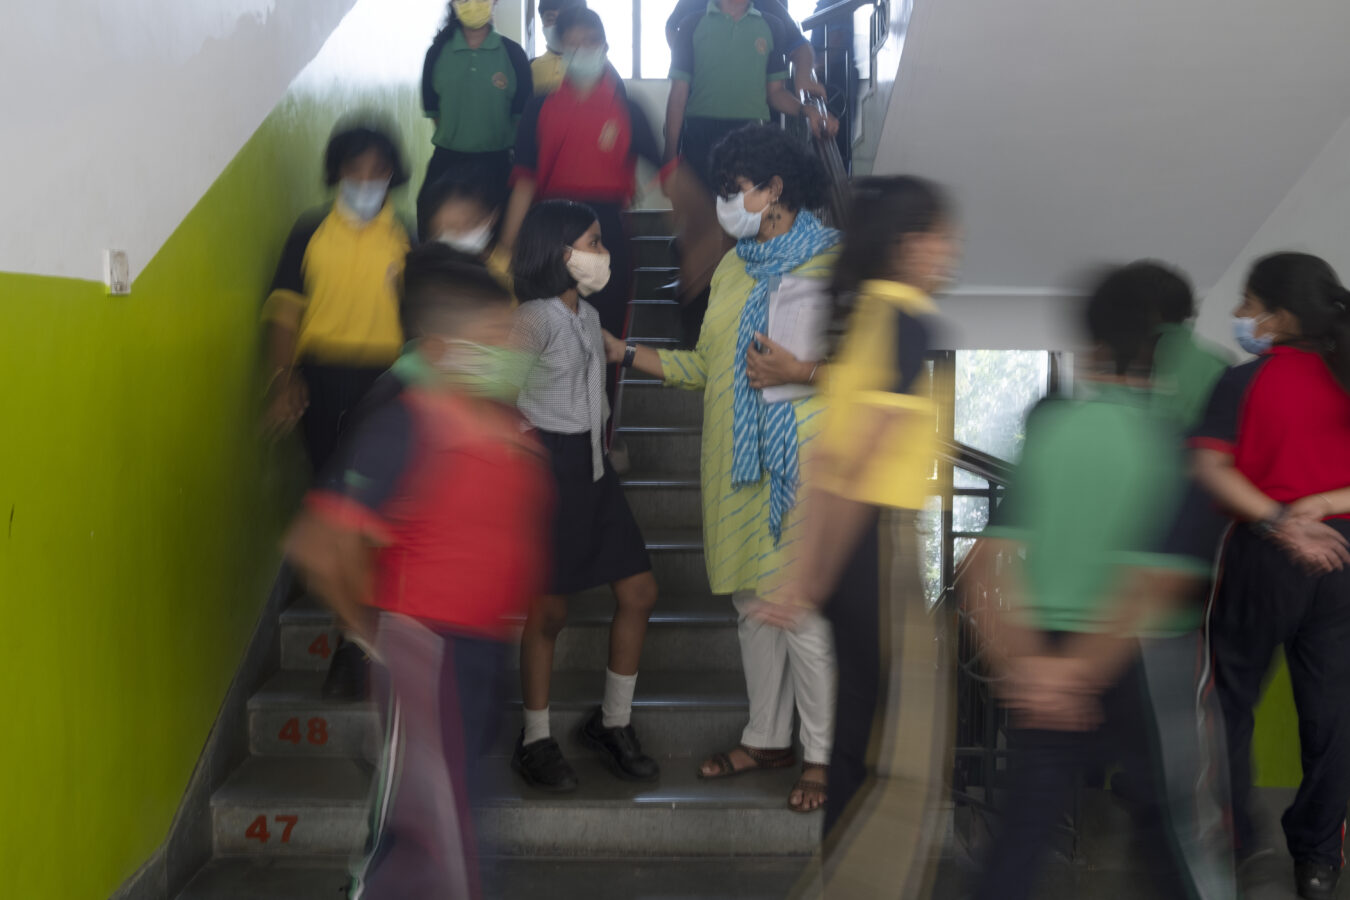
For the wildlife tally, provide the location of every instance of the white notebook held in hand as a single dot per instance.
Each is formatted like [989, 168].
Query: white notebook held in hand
[799, 312]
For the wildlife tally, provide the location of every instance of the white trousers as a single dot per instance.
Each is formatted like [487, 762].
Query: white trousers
[784, 669]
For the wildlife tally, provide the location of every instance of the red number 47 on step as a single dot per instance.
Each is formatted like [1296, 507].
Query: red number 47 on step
[257, 829]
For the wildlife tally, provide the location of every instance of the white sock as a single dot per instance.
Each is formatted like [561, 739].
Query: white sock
[536, 725]
[617, 709]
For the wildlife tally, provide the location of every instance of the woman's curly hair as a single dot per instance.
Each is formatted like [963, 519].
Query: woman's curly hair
[758, 153]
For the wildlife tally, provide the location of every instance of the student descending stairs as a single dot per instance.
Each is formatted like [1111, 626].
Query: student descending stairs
[287, 821]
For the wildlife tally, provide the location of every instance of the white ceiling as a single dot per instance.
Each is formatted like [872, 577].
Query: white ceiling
[1079, 132]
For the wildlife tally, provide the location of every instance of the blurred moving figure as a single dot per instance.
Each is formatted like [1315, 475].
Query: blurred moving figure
[548, 67]
[475, 84]
[465, 215]
[768, 183]
[426, 535]
[860, 557]
[333, 314]
[1096, 512]
[798, 50]
[728, 69]
[583, 143]
[1274, 450]
[560, 259]
[1185, 367]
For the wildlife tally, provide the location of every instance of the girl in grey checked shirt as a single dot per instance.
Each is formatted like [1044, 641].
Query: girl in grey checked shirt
[559, 259]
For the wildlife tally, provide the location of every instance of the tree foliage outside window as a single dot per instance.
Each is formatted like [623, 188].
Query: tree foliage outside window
[994, 390]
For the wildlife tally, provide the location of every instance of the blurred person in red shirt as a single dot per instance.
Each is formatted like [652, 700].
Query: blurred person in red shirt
[427, 536]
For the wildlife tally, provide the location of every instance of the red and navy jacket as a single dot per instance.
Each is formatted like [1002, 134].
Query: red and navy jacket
[456, 498]
[1285, 420]
[584, 148]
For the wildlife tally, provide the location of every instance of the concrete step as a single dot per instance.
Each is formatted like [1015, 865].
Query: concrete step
[245, 878]
[677, 559]
[659, 317]
[668, 453]
[677, 714]
[682, 815]
[682, 632]
[742, 878]
[661, 502]
[292, 807]
[301, 808]
[649, 222]
[652, 250]
[654, 281]
[649, 402]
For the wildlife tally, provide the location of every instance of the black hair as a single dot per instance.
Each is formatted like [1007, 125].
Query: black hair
[441, 286]
[1123, 322]
[354, 136]
[882, 211]
[547, 5]
[539, 264]
[579, 17]
[453, 186]
[758, 153]
[1309, 288]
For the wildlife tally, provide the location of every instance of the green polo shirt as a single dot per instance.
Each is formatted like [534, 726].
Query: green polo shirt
[729, 63]
[1185, 370]
[1098, 491]
[475, 94]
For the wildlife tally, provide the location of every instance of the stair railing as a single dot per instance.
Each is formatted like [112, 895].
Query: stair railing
[972, 596]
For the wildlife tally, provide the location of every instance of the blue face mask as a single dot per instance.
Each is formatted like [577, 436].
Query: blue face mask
[363, 199]
[1244, 331]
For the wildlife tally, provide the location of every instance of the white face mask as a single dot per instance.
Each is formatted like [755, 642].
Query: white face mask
[363, 199]
[591, 270]
[551, 38]
[470, 242]
[735, 219]
[585, 66]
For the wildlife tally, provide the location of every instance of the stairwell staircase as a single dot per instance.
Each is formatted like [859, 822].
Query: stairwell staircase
[293, 814]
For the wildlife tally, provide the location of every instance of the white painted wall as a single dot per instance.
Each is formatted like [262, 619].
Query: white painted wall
[1079, 133]
[119, 114]
[1314, 217]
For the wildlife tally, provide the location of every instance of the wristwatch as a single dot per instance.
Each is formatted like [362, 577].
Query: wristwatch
[629, 353]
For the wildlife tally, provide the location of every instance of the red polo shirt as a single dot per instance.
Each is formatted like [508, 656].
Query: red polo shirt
[1285, 419]
[584, 147]
[456, 500]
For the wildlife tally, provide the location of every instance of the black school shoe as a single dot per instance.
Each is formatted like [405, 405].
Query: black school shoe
[619, 749]
[1316, 881]
[348, 673]
[542, 765]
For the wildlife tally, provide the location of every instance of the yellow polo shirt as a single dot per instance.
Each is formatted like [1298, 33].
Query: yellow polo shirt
[882, 364]
[343, 276]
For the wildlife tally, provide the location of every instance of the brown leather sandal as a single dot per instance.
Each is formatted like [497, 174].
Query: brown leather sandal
[809, 790]
[760, 760]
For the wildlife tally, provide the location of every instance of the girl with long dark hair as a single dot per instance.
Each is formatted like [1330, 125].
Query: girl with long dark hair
[1274, 450]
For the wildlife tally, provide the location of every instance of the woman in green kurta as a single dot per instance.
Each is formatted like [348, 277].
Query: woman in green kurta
[752, 450]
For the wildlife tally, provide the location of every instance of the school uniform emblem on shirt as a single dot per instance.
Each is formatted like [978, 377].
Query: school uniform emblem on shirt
[609, 136]
[499, 81]
[762, 46]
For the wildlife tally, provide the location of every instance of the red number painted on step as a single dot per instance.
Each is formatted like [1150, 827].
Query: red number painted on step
[290, 731]
[318, 731]
[257, 830]
[290, 823]
[319, 647]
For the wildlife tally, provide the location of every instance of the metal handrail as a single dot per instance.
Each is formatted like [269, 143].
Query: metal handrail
[833, 13]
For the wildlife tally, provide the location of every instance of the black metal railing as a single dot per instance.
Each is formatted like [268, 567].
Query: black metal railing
[971, 595]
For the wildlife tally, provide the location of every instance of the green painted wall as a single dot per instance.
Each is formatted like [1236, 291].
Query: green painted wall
[140, 514]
